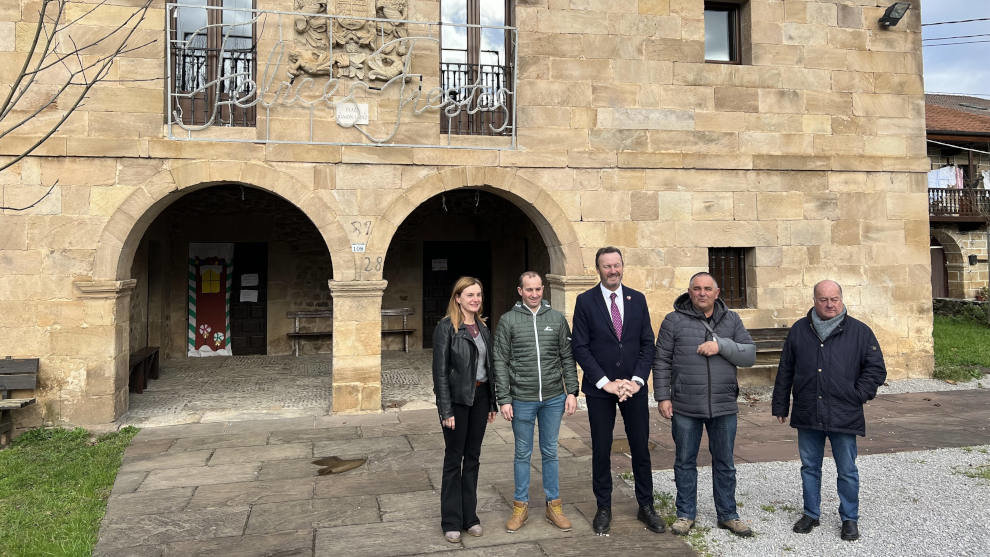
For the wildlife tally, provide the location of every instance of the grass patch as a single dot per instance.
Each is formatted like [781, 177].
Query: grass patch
[962, 348]
[697, 538]
[54, 490]
[768, 508]
[978, 472]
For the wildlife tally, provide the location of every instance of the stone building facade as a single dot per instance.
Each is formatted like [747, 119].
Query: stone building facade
[804, 160]
[959, 138]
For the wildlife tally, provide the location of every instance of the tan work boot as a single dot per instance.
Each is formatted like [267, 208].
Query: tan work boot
[682, 526]
[520, 514]
[555, 515]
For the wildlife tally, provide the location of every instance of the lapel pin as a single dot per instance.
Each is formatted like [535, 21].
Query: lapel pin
[629, 297]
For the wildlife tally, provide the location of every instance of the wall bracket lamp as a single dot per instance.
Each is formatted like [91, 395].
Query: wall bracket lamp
[893, 14]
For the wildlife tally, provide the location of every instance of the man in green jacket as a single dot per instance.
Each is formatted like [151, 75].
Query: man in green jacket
[535, 379]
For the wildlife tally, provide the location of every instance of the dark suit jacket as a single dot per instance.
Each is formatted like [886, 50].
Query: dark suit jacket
[598, 350]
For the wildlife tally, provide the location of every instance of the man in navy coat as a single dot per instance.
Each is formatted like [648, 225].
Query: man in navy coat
[612, 341]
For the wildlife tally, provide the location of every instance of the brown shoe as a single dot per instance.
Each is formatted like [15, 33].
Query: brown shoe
[555, 515]
[520, 514]
[737, 527]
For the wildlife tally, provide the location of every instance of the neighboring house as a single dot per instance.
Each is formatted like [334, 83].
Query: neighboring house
[361, 154]
[958, 130]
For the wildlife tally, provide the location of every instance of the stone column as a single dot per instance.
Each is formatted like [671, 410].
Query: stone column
[357, 345]
[102, 395]
[564, 290]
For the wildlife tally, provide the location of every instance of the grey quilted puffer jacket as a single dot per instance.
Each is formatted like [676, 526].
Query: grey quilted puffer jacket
[700, 386]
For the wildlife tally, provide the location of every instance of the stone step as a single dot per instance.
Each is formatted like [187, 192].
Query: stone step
[758, 375]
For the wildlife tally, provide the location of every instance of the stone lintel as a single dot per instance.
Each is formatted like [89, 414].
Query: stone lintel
[104, 288]
[357, 288]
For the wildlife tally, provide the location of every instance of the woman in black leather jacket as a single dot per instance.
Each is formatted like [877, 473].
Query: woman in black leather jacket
[463, 380]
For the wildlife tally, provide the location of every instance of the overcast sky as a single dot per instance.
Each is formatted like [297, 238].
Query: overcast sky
[961, 68]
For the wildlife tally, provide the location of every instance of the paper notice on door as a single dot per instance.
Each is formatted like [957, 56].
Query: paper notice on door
[250, 279]
[249, 295]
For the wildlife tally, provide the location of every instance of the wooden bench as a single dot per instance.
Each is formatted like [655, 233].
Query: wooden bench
[296, 335]
[143, 365]
[15, 374]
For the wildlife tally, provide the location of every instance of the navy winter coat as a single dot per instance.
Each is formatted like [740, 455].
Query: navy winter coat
[831, 379]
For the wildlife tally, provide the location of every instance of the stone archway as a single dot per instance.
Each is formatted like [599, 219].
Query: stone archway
[954, 262]
[538, 204]
[106, 383]
[127, 224]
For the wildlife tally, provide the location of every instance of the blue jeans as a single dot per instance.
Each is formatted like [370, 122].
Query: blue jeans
[811, 445]
[524, 417]
[687, 440]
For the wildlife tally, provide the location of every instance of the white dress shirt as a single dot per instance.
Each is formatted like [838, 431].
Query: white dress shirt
[620, 302]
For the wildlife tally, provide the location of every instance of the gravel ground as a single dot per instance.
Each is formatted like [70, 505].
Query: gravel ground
[912, 503]
[890, 388]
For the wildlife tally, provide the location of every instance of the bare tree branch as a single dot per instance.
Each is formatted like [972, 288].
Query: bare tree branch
[81, 76]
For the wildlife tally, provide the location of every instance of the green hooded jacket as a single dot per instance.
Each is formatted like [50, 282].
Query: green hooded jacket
[533, 360]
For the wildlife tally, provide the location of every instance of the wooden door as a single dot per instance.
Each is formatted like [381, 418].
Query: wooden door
[940, 276]
[248, 301]
[443, 264]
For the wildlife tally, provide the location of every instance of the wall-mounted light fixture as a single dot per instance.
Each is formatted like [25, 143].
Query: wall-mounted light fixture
[973, 259]
[893, 14]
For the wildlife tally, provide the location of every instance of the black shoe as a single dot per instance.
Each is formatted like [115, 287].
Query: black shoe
[603, 521]
[805, 524]
[650, 518]
[850, 531]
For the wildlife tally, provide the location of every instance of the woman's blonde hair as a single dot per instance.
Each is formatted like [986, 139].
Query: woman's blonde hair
[453, 309]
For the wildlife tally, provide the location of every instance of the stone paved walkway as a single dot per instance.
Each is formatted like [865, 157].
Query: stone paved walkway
[200, 390]
[249, 488]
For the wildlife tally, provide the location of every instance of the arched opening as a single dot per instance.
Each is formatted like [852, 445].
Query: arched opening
[955, 268]
[218, 272]
[479, 232]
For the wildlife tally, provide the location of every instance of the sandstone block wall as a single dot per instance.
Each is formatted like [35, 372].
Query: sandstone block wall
[812, 154]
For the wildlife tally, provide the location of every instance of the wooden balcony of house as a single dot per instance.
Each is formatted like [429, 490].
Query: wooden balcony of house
[958, 205]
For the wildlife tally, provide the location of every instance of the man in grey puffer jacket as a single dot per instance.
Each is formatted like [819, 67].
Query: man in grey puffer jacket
[699, 346]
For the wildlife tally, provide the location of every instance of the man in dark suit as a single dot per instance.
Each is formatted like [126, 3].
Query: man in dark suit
[612, 341]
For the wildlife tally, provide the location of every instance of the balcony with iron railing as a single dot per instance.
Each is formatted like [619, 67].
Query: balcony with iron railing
[323, 79]
[958, 204]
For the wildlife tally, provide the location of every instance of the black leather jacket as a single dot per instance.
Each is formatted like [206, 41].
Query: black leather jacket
[455, 364]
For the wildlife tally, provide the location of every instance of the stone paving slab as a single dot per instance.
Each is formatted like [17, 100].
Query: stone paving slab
[152, 447]
[219, 441]
[288, 469]
[252, 493]
[233, 455]
[310, 435]
[202, 475]
[181, 460]
[352, 483]
[354, 448]
[157, 501]
[536, 529]
[127, 482]
[123, 531]
[402, 537]
[282, 544]
[294, 515]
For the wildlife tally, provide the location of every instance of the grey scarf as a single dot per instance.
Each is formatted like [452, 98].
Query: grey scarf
[825, 327]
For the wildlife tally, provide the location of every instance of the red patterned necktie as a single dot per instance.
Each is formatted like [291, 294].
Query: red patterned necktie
[616, 318]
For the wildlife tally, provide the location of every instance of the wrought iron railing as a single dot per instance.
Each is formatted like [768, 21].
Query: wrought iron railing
[199, 90]
[318, 78]
[958, 202]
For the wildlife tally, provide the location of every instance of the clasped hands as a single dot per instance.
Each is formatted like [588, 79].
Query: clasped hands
[622, 388]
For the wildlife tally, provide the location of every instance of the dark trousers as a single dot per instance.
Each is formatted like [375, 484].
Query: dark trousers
[462, 450]
[636, 418]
